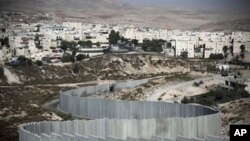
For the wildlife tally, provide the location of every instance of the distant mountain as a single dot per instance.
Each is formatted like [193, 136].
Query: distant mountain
[127, 12]
[208, 5]
[59, 5]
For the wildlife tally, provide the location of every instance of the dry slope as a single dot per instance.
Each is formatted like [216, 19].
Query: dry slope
[107, 67]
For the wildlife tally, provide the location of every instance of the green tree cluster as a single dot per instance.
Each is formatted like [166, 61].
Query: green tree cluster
[68, 58]
[184, 55]
[242, 51]
[225, 49]
[114, 37]
[216, 56]
[80, 57]
[68, 45]
[1, 72]
[153, 45]
[88, 43]
[5, 42]
[217, 96]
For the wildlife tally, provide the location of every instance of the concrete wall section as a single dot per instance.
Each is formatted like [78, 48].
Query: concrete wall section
[116, 120]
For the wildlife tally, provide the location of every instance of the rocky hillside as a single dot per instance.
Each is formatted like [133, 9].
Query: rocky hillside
[108, 67]
[116, 11]
[66, 6]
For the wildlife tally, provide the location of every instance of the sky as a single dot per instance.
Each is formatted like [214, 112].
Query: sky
[234, 5]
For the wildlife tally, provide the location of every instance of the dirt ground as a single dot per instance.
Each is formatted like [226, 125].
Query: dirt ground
[23, 104]
[191, 90]
[140, 92]
[235, 112]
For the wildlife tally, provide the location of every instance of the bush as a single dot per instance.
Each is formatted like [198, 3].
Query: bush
[196, 84]
[76, 68]
[1, 72]
[20, 62]
[153, 45]
[39, 63]
[218, 95]
[216, 56]
[185, 100]
[67, 58]
[184, 55]
[29, 62]
[80, 57]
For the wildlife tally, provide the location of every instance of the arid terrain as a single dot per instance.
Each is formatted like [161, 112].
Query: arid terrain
[22, 102]
[107, 67]
[235, 112]
[37, 85]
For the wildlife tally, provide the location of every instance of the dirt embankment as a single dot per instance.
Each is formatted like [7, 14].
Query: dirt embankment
[107, 67]
[235, 112]
[23, 104]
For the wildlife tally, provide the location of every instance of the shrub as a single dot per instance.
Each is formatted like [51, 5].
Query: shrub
[218, 95]
[1, 72]
[76, 68]
[21, 61]
[196, 84]
[80, 57]
[67, 58]
[216, 56]
[39, 63]
[185, 100]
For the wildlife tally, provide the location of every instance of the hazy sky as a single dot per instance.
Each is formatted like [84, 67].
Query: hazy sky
[241, 5]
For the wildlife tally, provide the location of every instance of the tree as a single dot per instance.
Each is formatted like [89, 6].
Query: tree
[68, 45]
[23, 61]
[39, 63]
[204, 49]
[169, 45]
[185, 100]
[225, 49]
[1, 72]
[242, 55]
[38, 28]
[80, 57]
[242, 51]
[3, 30]
[184, 55]
[64, 45]
[135, 42]
[124, 40]
[82, 43]
[68, 58]
[236, 60]
[36, 38]
[98, 44]
[242, 48]
[152, 45]
[5, 41]
[117, 36]
[114, 37]
[231, 48]
[89, 44]
[216, 56]
[76, 68]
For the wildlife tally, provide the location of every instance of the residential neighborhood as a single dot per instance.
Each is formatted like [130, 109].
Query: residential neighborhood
[43, 39]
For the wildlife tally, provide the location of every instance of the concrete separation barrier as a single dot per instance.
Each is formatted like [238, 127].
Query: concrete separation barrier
[116, 120]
